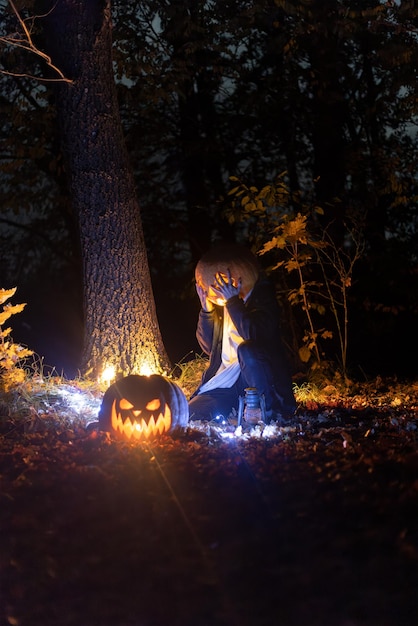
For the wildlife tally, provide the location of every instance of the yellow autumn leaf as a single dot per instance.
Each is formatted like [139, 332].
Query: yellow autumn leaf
[265, 191]
[292, 265]
[304, 354]
[296, 228]
[5, 294]
[10, 309]
[275, 242]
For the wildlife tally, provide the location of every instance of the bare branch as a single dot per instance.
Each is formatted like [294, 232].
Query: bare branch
[40, 78]
[27, 44]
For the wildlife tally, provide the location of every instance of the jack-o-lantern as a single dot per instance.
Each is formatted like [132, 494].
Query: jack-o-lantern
[143, 407]
[228, 259]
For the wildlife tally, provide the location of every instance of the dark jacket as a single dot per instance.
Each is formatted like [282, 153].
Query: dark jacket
[257, 319]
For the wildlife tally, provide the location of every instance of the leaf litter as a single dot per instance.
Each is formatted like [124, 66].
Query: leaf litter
[307, 523]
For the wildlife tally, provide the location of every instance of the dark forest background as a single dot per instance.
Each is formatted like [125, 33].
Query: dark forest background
[315, 98]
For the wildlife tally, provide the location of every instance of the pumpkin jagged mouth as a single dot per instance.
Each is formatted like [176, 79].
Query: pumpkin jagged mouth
[136, 427]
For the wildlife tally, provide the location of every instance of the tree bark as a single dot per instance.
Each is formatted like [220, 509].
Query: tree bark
[121, 325]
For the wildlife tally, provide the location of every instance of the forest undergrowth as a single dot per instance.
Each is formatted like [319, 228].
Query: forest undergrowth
[234, 527]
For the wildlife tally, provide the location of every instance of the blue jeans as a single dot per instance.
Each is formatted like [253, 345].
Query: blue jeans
[257, 370]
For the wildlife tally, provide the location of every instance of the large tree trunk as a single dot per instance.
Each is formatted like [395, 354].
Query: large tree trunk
[121, 326]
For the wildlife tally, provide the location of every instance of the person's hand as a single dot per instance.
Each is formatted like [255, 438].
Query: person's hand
[206, 304]
[224, 287]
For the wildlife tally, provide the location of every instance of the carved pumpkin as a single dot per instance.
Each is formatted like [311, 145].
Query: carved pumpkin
[143, 407]
[223, 258]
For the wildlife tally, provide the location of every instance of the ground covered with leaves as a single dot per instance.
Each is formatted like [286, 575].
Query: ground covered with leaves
[314, 523]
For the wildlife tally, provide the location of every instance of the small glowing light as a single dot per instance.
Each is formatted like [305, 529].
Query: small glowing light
[220, 419]
[146, 370]
[80, 403]
[107, 375]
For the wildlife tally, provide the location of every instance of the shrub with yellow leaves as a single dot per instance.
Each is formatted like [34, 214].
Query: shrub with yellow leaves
[320, 268]
[10, 353]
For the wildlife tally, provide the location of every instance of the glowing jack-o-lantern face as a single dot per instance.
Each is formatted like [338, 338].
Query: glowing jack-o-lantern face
[143, 407]
[140, 422]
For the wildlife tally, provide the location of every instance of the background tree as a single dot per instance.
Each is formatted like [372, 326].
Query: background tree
[121, 326]
[369, 123]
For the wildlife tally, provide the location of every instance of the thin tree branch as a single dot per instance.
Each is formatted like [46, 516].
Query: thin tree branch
[27, 44]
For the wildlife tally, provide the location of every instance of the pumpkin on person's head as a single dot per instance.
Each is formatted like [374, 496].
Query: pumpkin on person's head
[143, 407]
[223, 258]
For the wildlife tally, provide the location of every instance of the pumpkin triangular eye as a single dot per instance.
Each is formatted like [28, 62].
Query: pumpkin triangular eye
[153, 405]
[125, 405]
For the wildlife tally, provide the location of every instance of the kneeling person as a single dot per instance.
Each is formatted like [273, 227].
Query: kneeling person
[239, 329]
